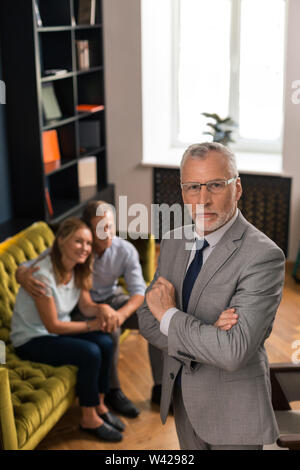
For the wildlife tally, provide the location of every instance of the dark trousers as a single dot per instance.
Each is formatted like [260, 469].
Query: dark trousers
[116, 301]
[155, 355]
[91, 352]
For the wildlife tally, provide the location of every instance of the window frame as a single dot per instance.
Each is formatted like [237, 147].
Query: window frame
[241, 144]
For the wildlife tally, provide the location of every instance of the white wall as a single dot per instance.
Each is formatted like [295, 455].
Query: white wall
[122, 33]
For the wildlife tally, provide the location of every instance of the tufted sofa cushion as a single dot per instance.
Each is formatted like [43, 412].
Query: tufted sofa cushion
[36, 390]
[27, 245]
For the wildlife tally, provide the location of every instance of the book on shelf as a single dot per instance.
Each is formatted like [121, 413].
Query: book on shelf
[38, 18]
[51, 151]
[87, 172]
[55, 72]
[48, 202]
[87, 12]
[51, 106]
[51, 166]
[89, 108]
[89, 135]
[83, 54]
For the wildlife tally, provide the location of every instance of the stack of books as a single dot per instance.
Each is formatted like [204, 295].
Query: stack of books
[87, 178]
[83, 54]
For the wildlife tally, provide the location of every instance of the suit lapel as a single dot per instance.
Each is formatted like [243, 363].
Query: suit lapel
[224, 249]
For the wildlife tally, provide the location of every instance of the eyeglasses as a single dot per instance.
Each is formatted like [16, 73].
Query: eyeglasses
[214, 187]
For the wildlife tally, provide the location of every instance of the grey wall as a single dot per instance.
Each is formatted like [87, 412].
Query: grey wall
[123, 84]
[5, 199]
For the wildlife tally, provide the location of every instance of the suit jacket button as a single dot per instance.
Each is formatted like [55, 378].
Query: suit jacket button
[172, 375]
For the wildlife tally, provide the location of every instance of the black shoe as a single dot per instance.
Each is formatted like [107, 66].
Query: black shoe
[105, 433]
[113, 421]
[117, 401]
[156, 394]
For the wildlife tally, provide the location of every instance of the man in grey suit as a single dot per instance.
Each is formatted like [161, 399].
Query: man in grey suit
[218, 378]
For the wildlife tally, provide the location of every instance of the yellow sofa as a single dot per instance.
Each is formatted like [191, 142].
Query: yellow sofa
[34, 396]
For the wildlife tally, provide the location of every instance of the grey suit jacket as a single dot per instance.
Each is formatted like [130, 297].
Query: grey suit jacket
[225, 378]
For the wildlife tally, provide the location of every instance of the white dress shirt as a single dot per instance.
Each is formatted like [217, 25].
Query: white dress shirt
[212, 238]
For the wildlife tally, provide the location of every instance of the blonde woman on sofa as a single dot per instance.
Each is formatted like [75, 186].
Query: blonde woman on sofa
[42, 330]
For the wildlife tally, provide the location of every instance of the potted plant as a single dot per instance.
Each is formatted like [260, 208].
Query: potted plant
[221, 129]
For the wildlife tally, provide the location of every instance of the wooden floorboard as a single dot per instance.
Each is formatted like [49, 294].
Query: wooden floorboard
[146, 432]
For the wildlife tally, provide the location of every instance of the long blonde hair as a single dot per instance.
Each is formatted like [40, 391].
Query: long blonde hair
[82, 271]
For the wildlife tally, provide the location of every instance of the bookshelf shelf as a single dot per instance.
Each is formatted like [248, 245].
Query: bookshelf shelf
[62, 167]
[106, 194]
[87, 26]
[92, 152]
[50, 78]
[59, 123]
[90, 70]
[89, 114]
[49, 104]
[54, 29]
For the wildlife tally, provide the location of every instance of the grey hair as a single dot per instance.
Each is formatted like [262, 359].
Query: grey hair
[201, 150]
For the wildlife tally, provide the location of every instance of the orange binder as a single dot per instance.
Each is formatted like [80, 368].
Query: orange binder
[48, 202]
[51, 150]
[92, 108]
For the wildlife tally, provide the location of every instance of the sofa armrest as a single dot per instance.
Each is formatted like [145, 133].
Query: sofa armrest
[8, 433]
[290, 441]
[285, 380]
[284, 367]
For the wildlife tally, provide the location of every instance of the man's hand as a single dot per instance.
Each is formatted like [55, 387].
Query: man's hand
[131, 306]
[33, 286]
[161, 297]
[227, 319]
[109, 317]
[121, 317]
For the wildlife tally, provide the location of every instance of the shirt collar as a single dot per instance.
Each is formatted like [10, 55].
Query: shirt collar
[214, 237]
[106, 251]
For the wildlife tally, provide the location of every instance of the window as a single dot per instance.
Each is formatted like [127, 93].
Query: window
[230, 61]
[214, 56]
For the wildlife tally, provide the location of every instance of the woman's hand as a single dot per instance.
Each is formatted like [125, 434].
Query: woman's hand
[227, 319]
[96, 324]
[109, 317]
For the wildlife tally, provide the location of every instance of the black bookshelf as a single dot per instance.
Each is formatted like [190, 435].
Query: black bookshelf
[28, 49]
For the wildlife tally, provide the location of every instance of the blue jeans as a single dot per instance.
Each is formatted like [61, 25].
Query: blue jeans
[91, 352]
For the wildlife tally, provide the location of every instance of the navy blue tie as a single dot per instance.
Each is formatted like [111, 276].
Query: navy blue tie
[192, 273]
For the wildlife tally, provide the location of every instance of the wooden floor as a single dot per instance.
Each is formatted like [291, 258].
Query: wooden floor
[146, 432]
